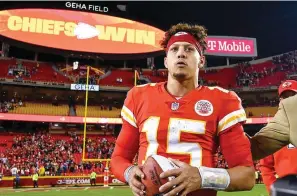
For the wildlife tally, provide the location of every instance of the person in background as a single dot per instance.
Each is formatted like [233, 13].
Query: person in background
[35, 179]
[14, 170]
[93, 178]
[41, 170]
[17, 180]
[281, 130]
[284, 161]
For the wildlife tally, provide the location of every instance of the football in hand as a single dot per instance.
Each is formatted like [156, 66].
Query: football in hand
[152, 168]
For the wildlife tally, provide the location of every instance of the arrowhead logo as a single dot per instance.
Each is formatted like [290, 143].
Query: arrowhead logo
[85, 31]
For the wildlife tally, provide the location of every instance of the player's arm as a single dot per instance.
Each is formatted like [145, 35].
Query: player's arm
[125, 150]
[127, 143]
[235, 148]
[268, 171]
[274, 136]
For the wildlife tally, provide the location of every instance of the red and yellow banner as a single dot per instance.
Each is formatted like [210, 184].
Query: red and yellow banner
[59, 181]
[79, 31]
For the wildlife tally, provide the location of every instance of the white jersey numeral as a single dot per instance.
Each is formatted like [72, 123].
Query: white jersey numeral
[174, 145]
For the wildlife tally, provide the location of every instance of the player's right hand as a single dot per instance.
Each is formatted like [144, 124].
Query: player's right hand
[135, 177]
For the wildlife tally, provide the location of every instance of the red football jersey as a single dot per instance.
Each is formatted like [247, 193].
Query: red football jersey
[281, 163]
[187, 129]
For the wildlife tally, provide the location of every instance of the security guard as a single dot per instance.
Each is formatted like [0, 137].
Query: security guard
[93, 178]
[35, 179]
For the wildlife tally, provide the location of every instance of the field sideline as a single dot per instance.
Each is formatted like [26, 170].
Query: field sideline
[259, 190]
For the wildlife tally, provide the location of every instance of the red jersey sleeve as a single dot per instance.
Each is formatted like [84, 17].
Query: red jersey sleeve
[235, 147]
[231, 111]
[128, 111]
[127, 143]
[268, 171]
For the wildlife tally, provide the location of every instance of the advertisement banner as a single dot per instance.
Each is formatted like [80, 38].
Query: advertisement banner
[58, 119]
[83, 87]
[79, 31]
[264, 120]
[59, 181]
[80, 120]
[231, 46]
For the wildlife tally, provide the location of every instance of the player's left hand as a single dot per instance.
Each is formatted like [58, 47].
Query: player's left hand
[187, 179]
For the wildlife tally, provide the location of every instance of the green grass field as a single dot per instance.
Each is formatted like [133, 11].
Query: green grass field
[259, 190]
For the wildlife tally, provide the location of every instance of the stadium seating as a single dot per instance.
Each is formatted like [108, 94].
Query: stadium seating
[270, 80]
[57, 147]
[95, 111]
[127, 77]
[226, 77]
[5, 65]
[42, 109]
[261, 111]
[160, 78]
[46, 73]
[273, 80]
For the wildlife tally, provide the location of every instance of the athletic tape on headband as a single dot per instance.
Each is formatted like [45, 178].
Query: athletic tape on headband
[184, 37]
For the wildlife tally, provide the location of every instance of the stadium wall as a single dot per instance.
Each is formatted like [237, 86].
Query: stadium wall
[51, 181]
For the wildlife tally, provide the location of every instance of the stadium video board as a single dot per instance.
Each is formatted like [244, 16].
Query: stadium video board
[79, 31]
[103, 34]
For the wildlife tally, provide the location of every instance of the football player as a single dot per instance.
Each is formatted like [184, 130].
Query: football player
[186, 122]
[284, 161]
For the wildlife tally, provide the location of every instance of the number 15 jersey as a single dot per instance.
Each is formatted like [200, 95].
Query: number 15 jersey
[187, 129]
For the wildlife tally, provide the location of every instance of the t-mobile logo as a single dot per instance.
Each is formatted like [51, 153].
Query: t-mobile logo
[211, 45]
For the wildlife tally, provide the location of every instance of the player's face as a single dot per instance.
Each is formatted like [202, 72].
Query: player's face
[183, 61]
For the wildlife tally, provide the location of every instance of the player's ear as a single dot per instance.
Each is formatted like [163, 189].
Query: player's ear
[202, 61]
[165, 62]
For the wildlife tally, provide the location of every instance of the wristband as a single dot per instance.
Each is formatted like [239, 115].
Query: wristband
[127, 173]
[214, 178]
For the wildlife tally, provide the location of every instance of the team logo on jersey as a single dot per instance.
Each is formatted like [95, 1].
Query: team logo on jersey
[174, 106]
[203, 108]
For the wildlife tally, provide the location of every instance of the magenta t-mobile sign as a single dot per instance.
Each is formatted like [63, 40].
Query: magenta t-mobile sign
[231, 46]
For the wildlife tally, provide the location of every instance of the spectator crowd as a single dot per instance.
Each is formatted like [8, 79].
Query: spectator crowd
[51, 155]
